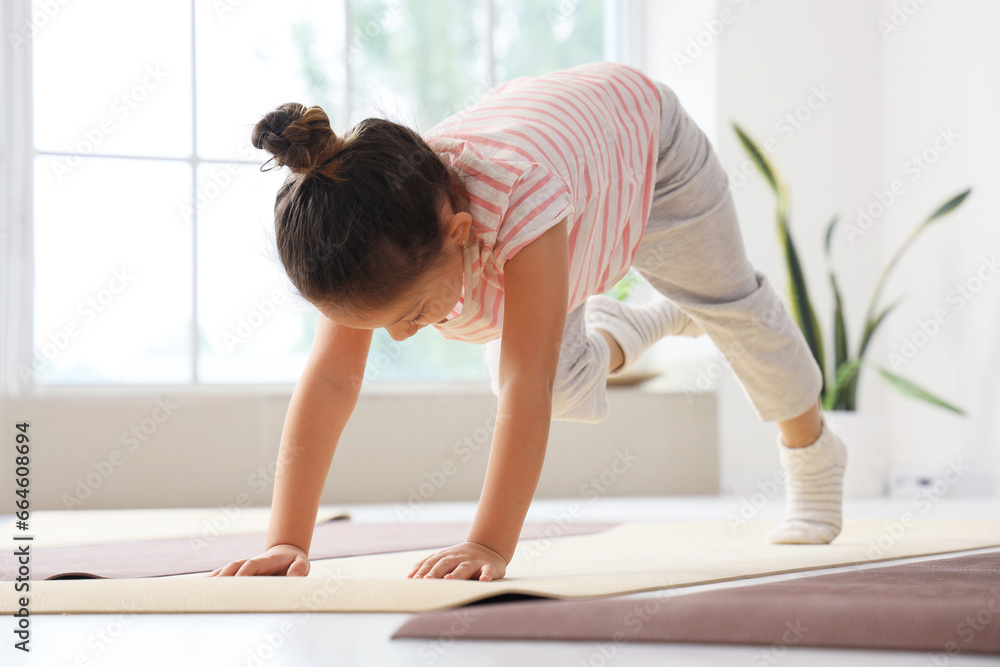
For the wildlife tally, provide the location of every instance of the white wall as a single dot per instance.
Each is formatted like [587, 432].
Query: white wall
[888, 95]
[941, 69]
[217, 447]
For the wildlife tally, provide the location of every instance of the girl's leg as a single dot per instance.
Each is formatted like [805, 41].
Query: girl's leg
[692, 252]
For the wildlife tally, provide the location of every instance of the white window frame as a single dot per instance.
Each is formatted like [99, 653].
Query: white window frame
[17, 187]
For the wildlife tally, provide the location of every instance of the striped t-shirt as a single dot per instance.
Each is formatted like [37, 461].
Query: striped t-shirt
[580, 144]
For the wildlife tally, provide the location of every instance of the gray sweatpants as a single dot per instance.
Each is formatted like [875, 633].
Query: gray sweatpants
[692, 252]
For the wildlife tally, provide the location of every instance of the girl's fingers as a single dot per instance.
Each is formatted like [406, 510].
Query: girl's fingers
[489, 573]
[416, 568]
[465, 570]
[443, 567]
[232, 568]
[249, 568]
[299, 568]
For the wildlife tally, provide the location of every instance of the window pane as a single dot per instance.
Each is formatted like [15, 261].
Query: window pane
[253, 326]
[416, 62]
[114, 77]
[253, 57]
[425, 356]
[539, 36]
[112, 272]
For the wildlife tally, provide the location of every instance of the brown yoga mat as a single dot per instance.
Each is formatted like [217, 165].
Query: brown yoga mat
[332, 539]
[943, 606]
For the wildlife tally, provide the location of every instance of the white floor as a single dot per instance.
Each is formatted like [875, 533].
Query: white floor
[280, 640]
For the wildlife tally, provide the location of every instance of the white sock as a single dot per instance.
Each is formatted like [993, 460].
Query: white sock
[635, 328]
[813, 491]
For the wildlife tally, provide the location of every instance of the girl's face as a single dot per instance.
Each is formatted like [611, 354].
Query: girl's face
[434, 296]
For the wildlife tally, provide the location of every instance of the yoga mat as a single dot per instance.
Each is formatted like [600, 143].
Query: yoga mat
[333, 539]
[943, 606]
[632, 557]
[66, 527]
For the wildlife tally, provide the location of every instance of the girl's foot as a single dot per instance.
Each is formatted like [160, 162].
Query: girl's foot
[813, 491]
[636, 328]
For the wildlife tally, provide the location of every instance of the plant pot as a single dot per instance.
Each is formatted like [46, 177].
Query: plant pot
[866, 435]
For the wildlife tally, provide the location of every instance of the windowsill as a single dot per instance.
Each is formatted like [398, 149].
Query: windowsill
[655, 385]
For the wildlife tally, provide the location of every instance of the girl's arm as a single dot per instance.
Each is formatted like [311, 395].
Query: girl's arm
[536, 292]
[321, 404]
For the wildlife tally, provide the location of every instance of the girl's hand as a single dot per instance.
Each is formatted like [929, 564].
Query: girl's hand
[281, 559]
[467, 560]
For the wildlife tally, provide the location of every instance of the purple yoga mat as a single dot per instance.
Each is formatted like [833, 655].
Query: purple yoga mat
[945, 606]
[331, 539]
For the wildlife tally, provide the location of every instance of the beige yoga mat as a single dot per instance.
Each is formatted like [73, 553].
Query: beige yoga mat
[52, 528]
[632, 557]
[173, 556]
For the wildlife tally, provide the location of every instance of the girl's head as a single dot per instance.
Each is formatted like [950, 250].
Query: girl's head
[368, 224]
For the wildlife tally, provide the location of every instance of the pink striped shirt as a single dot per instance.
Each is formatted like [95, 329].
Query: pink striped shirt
[580, 144]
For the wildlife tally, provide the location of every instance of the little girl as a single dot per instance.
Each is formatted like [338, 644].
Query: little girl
[503, 225]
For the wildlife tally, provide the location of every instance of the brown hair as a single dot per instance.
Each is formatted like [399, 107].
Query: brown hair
[357, 219]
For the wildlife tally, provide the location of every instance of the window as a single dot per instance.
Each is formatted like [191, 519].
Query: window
[151, 224]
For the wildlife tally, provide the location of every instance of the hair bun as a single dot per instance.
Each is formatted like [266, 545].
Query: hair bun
[300, 138]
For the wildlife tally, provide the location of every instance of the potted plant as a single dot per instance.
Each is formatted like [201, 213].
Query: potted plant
[840, 388]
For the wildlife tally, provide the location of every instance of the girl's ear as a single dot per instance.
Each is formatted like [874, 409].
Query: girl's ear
[457, 227]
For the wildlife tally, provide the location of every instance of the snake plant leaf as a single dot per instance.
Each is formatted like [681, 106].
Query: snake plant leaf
[873, 324]
[906, 387]
[803, 311]
[846, 374]
[870, 327]
[942, 210]
[948, 206]
[840, 343]
[828, 237]
[805, 316]
[840, 351]
[759, 159]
